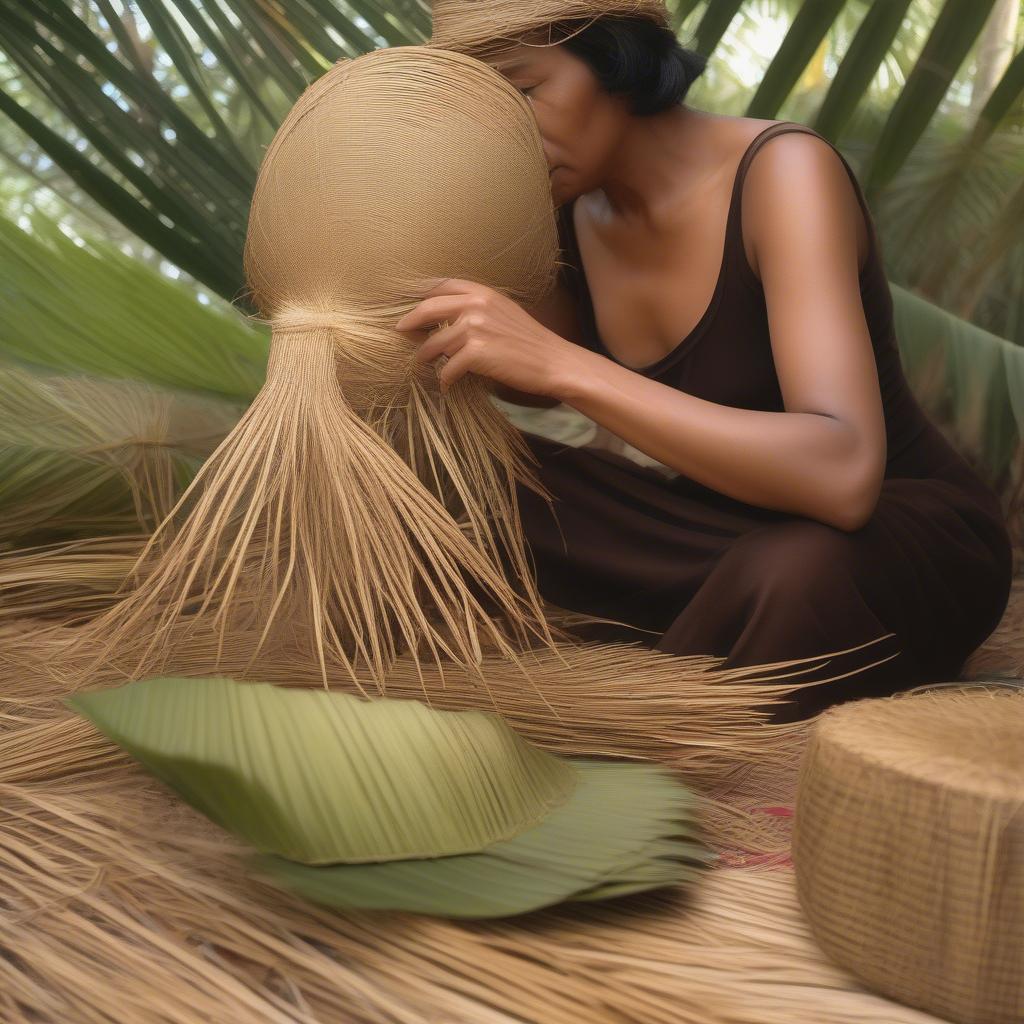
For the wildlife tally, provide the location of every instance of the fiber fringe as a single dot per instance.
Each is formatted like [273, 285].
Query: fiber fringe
[614, 700]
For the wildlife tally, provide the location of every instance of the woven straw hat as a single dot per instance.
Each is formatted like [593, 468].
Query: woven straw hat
[473, 26]
[909, 847]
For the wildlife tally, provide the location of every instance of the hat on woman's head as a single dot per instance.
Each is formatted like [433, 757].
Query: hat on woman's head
[471, 26]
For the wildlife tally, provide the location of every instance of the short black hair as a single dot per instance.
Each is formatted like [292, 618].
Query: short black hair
[634, 57]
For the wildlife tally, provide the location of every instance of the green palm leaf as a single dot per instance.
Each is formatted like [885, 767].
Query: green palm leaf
[713, 24]
[969, 381]
[623, 831]
[179, 173]
[859, 65]
[809, 28]
[129, 120]
[114, 316]
[390, 804]
[957, 27]
[1006, 93]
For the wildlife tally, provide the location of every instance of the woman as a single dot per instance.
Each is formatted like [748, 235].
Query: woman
[725, 311]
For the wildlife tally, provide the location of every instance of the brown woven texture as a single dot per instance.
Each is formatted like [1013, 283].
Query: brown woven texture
[909, 847]
[478, 26]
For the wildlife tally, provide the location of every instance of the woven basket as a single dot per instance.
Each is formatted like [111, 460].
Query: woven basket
[908, 846]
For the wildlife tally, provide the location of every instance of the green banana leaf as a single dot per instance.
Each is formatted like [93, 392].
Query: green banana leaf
[970, 382]
[391, 804]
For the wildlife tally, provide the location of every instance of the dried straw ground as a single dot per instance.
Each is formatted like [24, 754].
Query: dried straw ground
[120, 904]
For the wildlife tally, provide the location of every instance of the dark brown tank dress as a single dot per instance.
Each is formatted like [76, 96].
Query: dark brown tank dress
[707, 574]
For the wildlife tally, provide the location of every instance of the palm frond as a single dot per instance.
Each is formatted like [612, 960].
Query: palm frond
[958, 26]
[115, 317]
[859, 65]
[971, 384]
[810, 26]
[713, 24]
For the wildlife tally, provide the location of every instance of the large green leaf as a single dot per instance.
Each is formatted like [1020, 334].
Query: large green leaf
[628, 827]
[325, 777]
[390, 804]
[114, 316]
[969, 381]
[113, 392]
[1002, 234]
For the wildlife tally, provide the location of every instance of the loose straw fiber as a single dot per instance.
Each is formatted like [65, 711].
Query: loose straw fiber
[909, 847]
[119, 903]
[479, 26]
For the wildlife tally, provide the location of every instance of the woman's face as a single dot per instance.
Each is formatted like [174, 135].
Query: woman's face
[580, 124]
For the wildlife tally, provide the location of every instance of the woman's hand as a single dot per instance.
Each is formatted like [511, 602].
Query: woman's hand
[492, 335]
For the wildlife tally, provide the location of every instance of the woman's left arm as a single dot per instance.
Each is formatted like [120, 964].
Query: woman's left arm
[824, 456]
